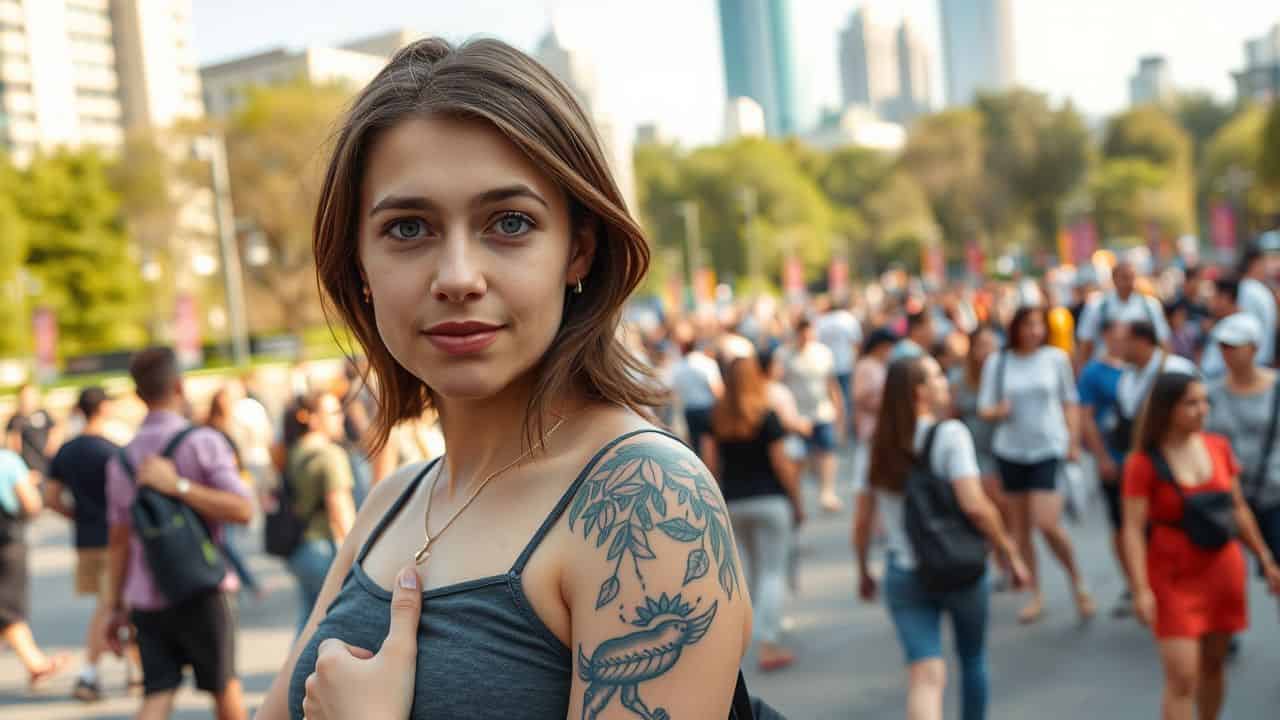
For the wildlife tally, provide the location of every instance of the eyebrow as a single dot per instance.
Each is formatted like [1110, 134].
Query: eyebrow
[506, 192]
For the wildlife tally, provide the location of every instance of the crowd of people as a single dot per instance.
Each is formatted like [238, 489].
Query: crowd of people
[1027, 397]
[306, 451]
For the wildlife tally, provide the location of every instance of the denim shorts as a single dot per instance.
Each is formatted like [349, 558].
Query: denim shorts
[917, 615]
[823, 438]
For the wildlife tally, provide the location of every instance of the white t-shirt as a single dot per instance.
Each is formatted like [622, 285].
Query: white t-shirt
[1257, 300]
[1138, 308]
[692, 381]
[1038, 386]
[1136, 383]
[953, 458]
[840, 331]
[808, 375]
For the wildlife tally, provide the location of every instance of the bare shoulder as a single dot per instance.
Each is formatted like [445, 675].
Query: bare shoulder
[380, 499]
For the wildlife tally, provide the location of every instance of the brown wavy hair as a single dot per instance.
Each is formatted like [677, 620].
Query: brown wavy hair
[893, 444]
[491, 81]
[738, 414]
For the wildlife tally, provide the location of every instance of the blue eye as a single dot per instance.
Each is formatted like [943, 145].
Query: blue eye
[408, 229]
[513, 225]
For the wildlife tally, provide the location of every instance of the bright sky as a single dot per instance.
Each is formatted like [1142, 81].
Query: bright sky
[659, 60]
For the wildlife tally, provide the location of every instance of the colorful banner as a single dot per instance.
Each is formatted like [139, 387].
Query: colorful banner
[44, 326]
[186, 330]
[933, 263]
[974, 259]
[1084, 240]
[1222, 224]
[704, 286]
[1064, 247]
[793, 276]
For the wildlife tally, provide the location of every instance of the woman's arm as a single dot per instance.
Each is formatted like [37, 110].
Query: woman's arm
[979, 508]
[786, 471]
[1072, 411]
[864, 522]
[1135, 550]
[665, 584]
[708, 453]
[1252, 537]
[275, 706]
[28, 495]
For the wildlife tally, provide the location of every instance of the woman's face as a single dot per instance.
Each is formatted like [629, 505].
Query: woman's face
[1239, 359]
[467, 250]
[1032, 333]
[935, 390]
[1190, 412]
[328, 418]
[983, 345]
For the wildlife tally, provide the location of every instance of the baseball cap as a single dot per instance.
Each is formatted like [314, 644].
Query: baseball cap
[1238, 329]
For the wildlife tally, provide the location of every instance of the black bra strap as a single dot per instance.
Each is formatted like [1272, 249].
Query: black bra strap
[569, 494]
[394, 510]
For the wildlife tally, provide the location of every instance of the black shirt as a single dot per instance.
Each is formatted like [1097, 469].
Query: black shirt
[745, 468]
[81, 466]
[34, 430]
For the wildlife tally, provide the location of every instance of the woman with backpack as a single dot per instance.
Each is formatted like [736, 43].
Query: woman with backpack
[761, 486]
[1183, 510]
[1029, 392]
[320, 483]
[913, 444]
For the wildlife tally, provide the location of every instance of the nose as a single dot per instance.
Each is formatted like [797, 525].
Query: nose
[458, 277]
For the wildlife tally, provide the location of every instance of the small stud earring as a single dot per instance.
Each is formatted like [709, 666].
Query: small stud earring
[578, 290]
[368, 296]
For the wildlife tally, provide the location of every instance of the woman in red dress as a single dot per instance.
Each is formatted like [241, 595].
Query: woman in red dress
[1188, 571]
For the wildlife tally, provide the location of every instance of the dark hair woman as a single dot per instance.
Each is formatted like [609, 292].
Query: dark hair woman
[916, 399]
[470, 234]
[1189, 589]
[1029, 392]
[761, 488]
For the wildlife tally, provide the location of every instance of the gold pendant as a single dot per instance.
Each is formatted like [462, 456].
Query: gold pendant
[422, 555]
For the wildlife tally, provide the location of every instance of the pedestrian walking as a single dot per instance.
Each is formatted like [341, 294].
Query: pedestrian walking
[1223, 304]
[19, 502]
[470, 234]
[696, 382]
[840, 331]
[966, 386]
[78, 472]
[32, 432]
[1029, 391]
[200, 473]
[1123, 303]
[915, 443]
[869, 377]
[810, 373]
[221, 417]
[319, 475]
[1183, 513]
[1145, 360]
[761, 489]
[1257, 299]
[920, 335]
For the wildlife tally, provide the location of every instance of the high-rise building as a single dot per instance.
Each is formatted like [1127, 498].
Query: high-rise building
[977, 44]
[914, 76]
[79, 73]
[743, 117]
[1152, 83]
[352, 64]
[868, 62]
[574, 69]
[759, 60]
[1259, 80]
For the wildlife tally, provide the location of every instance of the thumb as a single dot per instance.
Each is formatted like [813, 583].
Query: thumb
[406, 611]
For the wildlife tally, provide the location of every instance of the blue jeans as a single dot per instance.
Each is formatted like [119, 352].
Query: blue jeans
[309, 564]
[917, 616]
[232, 535]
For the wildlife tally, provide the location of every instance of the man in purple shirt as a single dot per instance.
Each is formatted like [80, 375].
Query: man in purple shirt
[199, 632]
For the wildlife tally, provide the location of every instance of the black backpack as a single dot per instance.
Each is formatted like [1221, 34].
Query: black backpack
[951, 553]
[176, 543]
[283, 527]
[1208, 518]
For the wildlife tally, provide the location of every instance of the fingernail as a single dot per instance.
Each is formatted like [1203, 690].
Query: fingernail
[409, 579]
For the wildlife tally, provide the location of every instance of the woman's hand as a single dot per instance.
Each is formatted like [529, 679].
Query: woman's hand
[1271, 572]
[867, 587]
[352, 682]
[1144, 607]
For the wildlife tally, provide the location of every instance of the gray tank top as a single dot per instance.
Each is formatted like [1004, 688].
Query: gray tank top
[483, 652]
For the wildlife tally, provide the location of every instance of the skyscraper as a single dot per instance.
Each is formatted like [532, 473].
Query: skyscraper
[1153, 82]
[759, 62]
[977, 43]
[1259, 79]
[914, 78]
[869, 69]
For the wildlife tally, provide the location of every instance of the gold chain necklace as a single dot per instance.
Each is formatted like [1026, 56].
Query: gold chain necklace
[425, 553]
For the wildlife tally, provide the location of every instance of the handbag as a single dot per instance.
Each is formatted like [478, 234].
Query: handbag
[1208, 518]
[951, 553]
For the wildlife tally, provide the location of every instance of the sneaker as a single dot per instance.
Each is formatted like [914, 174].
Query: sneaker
[87, 691]
[1124, 606]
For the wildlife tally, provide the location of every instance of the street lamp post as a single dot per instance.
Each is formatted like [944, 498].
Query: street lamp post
[232, 278]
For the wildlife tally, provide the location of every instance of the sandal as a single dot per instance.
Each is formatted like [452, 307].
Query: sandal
[1085, 604]
[56, 665]
[777, 662]
[1031, 613]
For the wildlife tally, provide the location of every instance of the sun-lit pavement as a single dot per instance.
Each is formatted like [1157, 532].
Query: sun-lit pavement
[849, 662]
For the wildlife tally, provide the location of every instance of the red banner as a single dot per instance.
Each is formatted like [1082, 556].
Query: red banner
[973, 255]
[1223, 226]
[1084, 241]
[838, 278]
[793, 276]
[44, 326]
[186, 330]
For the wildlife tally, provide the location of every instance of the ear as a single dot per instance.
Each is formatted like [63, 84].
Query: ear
[582, 250]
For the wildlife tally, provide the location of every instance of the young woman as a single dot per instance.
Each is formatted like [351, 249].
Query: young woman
[916, 397]
[1028, 390]
[1191, 595]
[868, 390]
[471, 236]
[219, 417]
[318, 471]
[762, 488]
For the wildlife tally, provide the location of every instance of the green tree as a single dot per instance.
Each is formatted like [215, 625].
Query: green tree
[13, 251]
[277, 147]
[1233, 164]
[946, 155]
[1201, 116]
[1126, 194]
[1269, 160]
[77, 253]
[1150, 134]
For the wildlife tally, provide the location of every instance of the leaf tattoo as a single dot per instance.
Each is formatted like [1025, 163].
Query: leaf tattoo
[623, 500]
